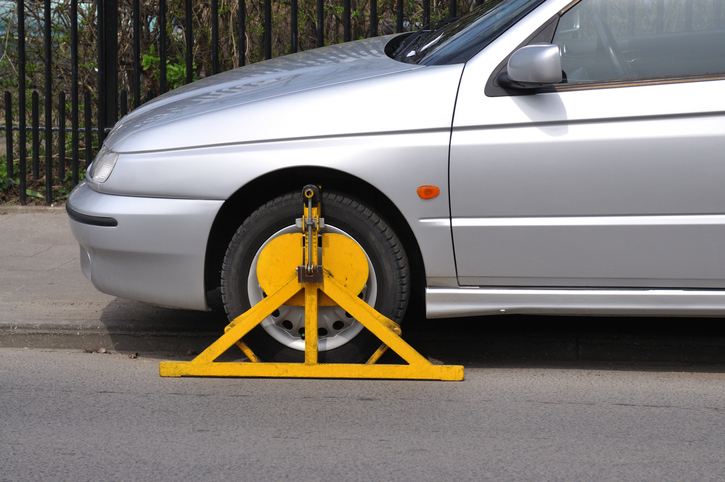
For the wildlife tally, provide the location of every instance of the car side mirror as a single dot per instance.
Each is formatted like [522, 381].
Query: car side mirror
[533, 66]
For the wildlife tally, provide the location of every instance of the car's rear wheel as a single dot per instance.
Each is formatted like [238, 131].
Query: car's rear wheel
[280, 337]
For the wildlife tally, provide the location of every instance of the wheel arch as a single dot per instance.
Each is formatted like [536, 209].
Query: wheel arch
[265, 188]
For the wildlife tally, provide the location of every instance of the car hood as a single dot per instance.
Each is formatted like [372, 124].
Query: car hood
[193, 107]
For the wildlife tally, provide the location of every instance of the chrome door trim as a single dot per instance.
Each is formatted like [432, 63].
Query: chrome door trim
[459, 302]
[632, 220]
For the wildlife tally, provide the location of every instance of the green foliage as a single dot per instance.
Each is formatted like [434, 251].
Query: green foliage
[5, 182]
[175, 72]
[34, 194]
[62, 183]
[64, 187]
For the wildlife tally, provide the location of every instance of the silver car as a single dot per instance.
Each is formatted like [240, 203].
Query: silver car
[535, 156]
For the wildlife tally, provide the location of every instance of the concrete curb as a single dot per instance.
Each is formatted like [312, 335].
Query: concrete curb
[454, 347]
[12, 209]
[93, 337]
[574, 346]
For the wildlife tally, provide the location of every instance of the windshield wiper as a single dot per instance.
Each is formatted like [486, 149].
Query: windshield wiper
[410, 44]
[418, 41]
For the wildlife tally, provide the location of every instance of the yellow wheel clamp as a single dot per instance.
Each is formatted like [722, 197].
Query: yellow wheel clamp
[287, 283]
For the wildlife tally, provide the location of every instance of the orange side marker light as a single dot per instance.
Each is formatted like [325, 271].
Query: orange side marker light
[428, 192]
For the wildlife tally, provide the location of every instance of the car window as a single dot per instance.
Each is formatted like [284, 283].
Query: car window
[604, 40]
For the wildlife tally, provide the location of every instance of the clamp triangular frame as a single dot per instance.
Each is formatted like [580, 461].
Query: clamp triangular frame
[418, 367]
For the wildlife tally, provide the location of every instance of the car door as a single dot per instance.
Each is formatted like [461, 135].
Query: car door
[613, 177]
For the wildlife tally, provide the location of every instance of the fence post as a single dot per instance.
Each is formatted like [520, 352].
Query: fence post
[22, 161]
[107, 66]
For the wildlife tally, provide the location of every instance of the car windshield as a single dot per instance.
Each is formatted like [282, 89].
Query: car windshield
[451, 42]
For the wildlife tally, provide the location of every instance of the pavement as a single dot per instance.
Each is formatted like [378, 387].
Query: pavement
[46, 302]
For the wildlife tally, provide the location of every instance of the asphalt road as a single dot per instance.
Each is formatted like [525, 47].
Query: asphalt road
[78, 416]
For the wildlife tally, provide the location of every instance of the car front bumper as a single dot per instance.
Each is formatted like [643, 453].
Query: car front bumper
[146, 249]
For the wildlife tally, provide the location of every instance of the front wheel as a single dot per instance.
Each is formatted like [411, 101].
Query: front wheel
[342, 339]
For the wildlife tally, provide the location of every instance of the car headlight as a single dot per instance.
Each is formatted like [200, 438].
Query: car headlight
[103, 165]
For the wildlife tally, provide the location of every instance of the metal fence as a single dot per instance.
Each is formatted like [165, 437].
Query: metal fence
[46, 159]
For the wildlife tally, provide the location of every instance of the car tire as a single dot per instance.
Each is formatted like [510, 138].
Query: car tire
[341, 339]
